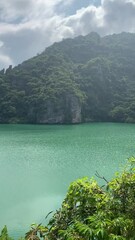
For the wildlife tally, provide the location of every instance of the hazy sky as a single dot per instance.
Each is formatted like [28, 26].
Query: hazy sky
[27, 27]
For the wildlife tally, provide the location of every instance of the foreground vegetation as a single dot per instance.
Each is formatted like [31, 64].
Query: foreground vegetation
[91, 212]
[77, 80]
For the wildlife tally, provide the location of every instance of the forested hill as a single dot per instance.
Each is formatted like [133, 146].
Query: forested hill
[77, 80]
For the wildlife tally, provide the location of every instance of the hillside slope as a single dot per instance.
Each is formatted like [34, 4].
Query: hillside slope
[77, 80]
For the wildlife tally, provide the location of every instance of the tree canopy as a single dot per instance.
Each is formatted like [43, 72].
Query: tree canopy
[88, 78]
[92, 212]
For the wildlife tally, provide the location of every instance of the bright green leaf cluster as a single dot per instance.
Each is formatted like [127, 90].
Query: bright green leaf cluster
[91, 212]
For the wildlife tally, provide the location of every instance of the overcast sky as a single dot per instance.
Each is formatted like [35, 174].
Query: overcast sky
[27, 27]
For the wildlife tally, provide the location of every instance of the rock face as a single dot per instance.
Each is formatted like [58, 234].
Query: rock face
[51, 116]
[70, 113]
[75, 111]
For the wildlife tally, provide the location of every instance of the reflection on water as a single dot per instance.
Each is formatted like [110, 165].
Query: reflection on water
[37, 163]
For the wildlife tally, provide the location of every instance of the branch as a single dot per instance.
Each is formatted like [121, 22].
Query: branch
[99, 176]
[48, 214]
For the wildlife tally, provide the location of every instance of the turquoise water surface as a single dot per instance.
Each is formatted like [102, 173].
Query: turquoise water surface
[38, 162]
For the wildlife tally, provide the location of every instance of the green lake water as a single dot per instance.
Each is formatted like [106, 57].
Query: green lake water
[37, 163]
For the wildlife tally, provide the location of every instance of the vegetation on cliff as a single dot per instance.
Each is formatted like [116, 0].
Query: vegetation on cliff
[77, 80]
[91, 212]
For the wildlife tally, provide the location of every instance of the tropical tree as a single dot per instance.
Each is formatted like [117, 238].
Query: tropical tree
[91, 212]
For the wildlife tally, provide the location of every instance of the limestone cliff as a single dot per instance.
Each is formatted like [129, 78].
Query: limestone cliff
[70, 113]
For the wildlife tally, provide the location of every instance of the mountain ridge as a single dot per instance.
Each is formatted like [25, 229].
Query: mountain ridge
[85, 79]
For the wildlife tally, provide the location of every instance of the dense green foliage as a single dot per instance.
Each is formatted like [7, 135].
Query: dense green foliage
[91, 212]
[77, 80]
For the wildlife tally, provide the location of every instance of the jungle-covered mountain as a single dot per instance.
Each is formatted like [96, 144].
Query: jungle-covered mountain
[85, 79]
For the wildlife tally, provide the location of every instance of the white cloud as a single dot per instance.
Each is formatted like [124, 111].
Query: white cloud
[119, 15]
[85, 20]
[28, 26]
[5, 61]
